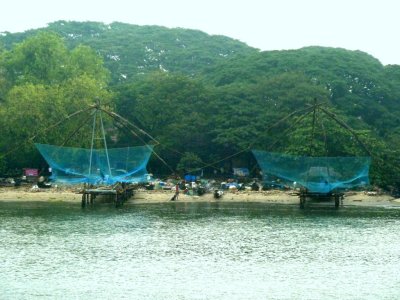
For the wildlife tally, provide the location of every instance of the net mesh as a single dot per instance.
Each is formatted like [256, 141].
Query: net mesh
[316, 174]
[78, 165]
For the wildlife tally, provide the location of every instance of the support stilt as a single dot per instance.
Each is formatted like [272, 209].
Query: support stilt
[83, 204]
[117, 195]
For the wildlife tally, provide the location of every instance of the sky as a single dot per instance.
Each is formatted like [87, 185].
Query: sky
[371, 26]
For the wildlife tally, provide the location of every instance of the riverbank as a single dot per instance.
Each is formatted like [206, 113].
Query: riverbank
[161, 196]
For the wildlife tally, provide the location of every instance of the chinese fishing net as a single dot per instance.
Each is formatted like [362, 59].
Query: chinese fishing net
[316, 174]
[97, 166]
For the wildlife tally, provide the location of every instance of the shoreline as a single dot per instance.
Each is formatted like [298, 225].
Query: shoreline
[26, 194]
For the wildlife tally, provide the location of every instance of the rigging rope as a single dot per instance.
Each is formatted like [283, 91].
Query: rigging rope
[31, 138]
[344, 125]
[279, 139]
[132, 128]
[126, 127]
[305, 110]
[77, 129]
[313, 127]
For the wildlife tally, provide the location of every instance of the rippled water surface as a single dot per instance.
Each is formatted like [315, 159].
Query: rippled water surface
[198, 251]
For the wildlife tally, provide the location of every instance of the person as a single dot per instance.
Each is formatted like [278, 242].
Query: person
[176, 195]
[177, 191]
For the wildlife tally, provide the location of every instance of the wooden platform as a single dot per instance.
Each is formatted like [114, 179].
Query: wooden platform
[336, 197]
[118, 194]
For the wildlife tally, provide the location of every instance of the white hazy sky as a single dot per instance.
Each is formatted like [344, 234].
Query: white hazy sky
[368, 25]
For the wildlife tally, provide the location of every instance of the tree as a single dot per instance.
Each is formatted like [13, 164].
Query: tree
[45, 83]
[39, 59]
[189, 162]
[173, 109]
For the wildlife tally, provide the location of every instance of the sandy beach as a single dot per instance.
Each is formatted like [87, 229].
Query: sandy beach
[160, 196]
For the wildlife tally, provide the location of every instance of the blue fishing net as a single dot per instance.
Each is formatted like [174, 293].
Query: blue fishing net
[316, 174]
[78, 165]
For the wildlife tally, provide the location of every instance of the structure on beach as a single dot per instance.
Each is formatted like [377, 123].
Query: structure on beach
[97, 166]
[111, 169]
[322, 178]
[317, 178]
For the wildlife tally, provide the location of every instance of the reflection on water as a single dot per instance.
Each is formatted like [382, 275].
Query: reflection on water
[198, 251]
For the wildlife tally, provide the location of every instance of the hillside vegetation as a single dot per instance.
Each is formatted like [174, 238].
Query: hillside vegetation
[204, 98]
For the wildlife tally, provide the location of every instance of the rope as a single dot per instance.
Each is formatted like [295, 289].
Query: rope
[92, 143]
[278, 139]
[284, 119]
[251, 144]
[344, 125]
[132, 128]
[114, 115]
[325, 138]
[313, 127]
[125, 123]
[105, 143]
[77, 129]
[31, 138]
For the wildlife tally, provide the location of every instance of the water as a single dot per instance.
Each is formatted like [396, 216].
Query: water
[198, 251]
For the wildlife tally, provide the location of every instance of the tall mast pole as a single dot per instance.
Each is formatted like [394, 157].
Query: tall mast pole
[92, 143]
[105, 143]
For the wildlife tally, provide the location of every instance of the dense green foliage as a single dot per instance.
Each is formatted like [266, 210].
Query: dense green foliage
[132, 50]
[203, 98]
[43, 83]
